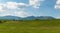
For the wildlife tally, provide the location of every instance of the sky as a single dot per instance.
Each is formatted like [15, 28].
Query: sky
[25, 8]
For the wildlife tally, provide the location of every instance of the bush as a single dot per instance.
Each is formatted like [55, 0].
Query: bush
[0, 21]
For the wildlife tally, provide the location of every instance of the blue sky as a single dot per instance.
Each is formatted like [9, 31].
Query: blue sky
[24, 8]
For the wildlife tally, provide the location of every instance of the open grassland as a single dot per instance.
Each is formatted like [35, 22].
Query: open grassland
[32, 26]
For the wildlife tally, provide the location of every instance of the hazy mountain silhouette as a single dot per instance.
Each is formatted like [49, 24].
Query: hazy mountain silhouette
[10, 17]
[27, 18]
[30, 18]
[45, 17]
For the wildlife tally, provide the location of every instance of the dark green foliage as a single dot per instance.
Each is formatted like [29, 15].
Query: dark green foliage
[0, 21]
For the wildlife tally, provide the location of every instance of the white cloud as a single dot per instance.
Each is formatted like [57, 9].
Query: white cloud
[4, 14]
[58, 2]
[5, 9]
[23, 4]
[57, 6]
[35, 3]
[9, 8]
[22, 14]
[14, 5]
[2, 8]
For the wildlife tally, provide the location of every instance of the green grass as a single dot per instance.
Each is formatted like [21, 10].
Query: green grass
[32, 26]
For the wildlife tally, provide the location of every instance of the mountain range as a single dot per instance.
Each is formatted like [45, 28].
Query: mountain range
[26, 18]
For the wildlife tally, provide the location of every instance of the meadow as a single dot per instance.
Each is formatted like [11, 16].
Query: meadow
[30, 26]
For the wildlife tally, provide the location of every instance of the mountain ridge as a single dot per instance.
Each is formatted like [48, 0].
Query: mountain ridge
[26, 18]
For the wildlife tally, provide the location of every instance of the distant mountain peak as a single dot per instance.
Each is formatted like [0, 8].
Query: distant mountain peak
[27, 18]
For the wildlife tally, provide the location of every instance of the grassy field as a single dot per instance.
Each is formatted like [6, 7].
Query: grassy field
[32, 26]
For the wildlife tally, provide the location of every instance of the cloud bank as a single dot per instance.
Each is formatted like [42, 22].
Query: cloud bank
[9, 7]
[57, 6]
[35, 3]
[18, 9]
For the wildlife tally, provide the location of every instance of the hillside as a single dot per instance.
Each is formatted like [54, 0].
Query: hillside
[30, 26]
